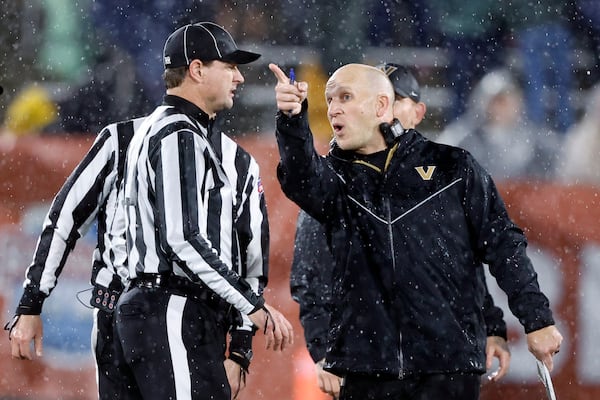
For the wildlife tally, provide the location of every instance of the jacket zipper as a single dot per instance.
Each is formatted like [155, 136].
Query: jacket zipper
[391, 239]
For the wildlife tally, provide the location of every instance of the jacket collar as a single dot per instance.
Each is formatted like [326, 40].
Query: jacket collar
[188, 108]
[400, 143]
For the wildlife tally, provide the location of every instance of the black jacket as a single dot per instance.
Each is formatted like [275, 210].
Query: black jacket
[310, 285]
[408, 244]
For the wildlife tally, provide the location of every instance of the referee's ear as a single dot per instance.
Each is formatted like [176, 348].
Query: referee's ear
[195, 70]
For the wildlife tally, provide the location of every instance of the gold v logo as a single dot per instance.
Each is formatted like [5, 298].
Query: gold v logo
[426, 174]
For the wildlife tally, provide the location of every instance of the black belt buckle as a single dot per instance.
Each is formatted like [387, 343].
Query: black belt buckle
[151, 281]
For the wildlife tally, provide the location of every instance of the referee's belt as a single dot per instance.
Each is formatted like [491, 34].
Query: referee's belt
[181, 286]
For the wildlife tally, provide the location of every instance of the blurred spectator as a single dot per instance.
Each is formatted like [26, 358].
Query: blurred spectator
[112, 93]
[405, 23]
[473, 35]
[544, 43]
[16, 66]
[109, 94]
[64, 52]
[30, 111]
[336, 28]
[122, 42]
[47, 46]
[588, 25]
[498, 133]
[582, 145]
[140, 28]
[253, 20]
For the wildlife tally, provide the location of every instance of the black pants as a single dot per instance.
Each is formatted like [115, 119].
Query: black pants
[170, 346]
[107, 373]
[426, 387]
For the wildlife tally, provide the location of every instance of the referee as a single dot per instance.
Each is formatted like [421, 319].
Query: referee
[90, 193]
[196, 240]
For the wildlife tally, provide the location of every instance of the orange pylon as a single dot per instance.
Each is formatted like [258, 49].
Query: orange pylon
[304, 381]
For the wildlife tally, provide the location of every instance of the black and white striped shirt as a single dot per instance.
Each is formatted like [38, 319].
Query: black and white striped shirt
[90, 193]
[194, 209]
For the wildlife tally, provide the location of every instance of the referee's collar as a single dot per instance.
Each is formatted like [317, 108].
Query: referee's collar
[188, 108]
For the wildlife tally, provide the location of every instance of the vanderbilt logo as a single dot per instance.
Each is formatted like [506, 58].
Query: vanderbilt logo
[426, 172]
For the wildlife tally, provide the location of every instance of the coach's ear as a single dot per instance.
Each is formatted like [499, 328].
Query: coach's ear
[383, 106]
[420, 109]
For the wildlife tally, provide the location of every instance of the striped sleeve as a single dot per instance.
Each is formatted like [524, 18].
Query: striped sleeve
[73, 210]
[251, 223]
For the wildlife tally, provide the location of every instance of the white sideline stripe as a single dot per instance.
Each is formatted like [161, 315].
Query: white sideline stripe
[181, 371]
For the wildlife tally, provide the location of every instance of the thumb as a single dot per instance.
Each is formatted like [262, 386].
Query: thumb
[279, 74]
[549, 362]
[489, 359]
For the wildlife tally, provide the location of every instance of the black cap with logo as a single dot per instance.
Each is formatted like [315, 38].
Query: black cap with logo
[405, 83]
[205, 41]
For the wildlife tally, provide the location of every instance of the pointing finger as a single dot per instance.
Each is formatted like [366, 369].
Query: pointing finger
[279, 74]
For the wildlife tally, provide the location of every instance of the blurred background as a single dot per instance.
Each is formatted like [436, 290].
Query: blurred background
[513, 81]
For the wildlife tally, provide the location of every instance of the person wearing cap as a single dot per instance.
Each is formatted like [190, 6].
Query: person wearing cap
[197, 234]
[410, 224]
[310, 278]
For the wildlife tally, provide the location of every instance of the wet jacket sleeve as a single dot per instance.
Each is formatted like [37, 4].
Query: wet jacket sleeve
[494, 317]
[310, 283]
[502, 245]
[304, 176]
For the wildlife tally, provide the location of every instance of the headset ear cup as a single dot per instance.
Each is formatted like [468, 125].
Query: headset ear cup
[391, 131]
[396, 128]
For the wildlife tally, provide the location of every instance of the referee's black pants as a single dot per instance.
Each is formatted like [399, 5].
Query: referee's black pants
[424, 387]
[108, 376]
[170, 346]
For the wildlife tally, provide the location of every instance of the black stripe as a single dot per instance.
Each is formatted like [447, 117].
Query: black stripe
[125, 132]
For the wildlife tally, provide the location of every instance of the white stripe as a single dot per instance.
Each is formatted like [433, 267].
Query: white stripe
[94, 340]
[185, 50]
[428, 198]
[179, 359]
[409, 210]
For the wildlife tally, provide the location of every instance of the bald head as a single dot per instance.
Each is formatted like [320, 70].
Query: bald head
[359, 98]
[364, 77]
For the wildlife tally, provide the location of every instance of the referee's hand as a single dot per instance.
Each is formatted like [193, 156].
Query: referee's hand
[278, 331]
[28, 329]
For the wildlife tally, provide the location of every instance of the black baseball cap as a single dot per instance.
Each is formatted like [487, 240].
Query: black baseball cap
[405, 83]
[205, 41]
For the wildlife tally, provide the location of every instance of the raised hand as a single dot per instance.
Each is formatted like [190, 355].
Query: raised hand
[289, 96]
